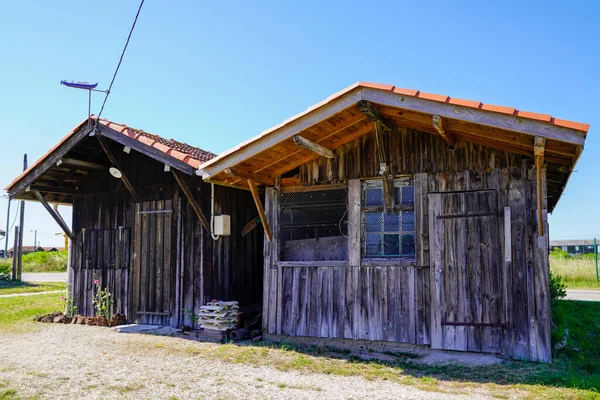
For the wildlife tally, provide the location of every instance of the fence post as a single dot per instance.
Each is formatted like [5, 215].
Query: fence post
[596, 257]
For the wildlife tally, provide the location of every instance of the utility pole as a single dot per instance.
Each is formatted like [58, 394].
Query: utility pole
[7, 226]
[21, 230]
[35, 240]
[596, 258]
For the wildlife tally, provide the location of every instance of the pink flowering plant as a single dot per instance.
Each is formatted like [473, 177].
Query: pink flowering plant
[70, 307]
[102, 300]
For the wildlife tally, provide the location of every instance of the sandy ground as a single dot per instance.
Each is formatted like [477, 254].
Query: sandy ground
[72, 361]
[585, 295]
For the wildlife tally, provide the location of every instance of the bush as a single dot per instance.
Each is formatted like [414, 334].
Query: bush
[5, 268]
[41, 261]
[557, 288]
[559, 253]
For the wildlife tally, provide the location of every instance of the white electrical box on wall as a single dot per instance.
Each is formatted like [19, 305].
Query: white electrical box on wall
[222, 225]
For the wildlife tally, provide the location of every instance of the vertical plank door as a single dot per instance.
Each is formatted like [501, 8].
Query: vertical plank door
[466, 272]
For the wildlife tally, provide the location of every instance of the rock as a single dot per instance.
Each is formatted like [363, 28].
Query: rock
[57, 314]
[90, 320]
[47, 319]
[81, 320]
[59, 319]
[74, 320]
[101, 321]
[67, 320]
[118, 319]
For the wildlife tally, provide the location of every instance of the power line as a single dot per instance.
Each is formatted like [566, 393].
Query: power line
[119, 65]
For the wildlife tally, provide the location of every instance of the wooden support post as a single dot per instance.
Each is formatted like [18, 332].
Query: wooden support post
[115, 164]
[538, 152]
[190, 197]
[438, 124]
[261, 210]
[244, 175]
[372, 113]
[59, 220]
[385, 169]
[15, 264]
[312, 146]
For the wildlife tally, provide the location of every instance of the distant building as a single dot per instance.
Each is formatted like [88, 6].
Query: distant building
[574, 247]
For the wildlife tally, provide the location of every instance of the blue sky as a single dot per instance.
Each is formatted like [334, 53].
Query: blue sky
[216, 73]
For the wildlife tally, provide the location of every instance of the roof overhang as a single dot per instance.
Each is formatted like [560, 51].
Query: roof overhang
[339, 120]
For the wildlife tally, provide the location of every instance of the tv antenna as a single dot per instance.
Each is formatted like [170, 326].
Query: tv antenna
[90, 87]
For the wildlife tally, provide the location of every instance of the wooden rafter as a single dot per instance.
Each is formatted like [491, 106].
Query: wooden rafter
[312, 146]
[82, 164]
[53, 189]
[538, 150]
[190, 198]
[55, 215]
[438, 124]
[246, 175]
[260, 208]
[115, 164]
[373, 114]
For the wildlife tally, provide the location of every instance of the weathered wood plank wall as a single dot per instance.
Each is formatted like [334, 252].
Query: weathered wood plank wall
[125, 241]
[374, 303]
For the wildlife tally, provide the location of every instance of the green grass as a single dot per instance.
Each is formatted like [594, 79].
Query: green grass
[578, 272]
[11, 287]
[15, 311]
[40, 261]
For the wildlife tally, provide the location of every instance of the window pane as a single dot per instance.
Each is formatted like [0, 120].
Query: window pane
[373, 221]
[408, 245]
[373, 245]
[408, 221]
[391, 222]
[391, 245]
[374, 197]
[408, 195]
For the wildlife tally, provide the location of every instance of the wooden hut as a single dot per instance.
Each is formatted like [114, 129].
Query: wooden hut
[139, 225]
[401, 216]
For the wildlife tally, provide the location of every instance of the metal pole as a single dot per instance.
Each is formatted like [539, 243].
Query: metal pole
[15, 254]
[35, 240]
[596, 257]
[21, 230]
[7, 233]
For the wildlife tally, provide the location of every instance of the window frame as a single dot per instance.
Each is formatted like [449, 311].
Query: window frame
[397, 209]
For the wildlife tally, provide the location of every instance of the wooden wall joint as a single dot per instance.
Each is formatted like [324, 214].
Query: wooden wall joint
[260, 208]
[539, 144]
[115, 164]
[439, 125]
[55, 215]
[309, 145]
[190, 198]
[373, 114]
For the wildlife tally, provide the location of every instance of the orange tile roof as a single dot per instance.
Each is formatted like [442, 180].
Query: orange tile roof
[478, 105]
[190, 155]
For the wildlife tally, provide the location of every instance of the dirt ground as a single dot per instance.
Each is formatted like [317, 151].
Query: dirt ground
[71, 361]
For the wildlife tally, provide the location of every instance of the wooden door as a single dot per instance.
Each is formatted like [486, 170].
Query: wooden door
[153, 273]
[466, 262]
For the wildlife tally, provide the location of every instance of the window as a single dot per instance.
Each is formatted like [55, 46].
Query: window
[388, 233]
[313, 226]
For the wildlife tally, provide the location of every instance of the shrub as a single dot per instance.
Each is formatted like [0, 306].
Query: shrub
[557, 288]
[4, 270]
[559, 253]
[41, 261]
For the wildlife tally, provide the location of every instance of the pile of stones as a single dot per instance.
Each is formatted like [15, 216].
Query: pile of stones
[59, 318]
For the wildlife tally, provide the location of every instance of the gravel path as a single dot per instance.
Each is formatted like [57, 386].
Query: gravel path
[72, 361]
[44, 276]
[30, 294]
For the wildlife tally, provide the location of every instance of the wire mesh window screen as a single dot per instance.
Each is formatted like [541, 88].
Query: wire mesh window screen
[313, 226]
[388, 233]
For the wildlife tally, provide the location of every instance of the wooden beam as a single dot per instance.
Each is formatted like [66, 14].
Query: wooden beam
[261, 210]
[59, 220]
[115, 164]
[190, 197]
[82, 164]
[312, 146]
[237, 173]
[53, 189]
[373, 114]
[385, 169]
[438, 124]
[538, 151]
